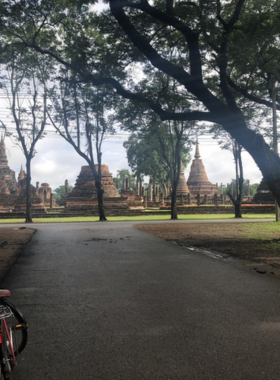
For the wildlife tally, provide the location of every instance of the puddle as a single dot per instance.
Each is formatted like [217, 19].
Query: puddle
[214, 255]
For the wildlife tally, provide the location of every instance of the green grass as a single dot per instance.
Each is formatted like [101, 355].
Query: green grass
[145, 217]
[261, 231]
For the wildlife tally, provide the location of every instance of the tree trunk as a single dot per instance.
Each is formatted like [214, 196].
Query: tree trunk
[237, 205]
[28, 216]
[267, 161]
[237, 209]
[174, 212]
[275, 135]
[100, 191]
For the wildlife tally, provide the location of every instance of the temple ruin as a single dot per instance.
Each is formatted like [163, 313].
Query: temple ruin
[263, 194]
[198, 182]
[83, 198]
[12, 190]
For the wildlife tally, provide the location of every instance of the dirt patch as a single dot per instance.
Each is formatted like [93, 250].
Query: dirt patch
[12, 242]
[262, 255]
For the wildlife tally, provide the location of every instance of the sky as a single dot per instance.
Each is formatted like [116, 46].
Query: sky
[56, 161]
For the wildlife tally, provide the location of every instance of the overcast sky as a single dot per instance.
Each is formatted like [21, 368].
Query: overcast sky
[56, 161]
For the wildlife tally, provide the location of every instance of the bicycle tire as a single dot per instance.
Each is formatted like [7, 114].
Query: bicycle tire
[19, 327]
[5, 369]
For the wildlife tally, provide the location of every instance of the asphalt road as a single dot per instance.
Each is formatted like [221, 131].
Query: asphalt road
[105, 301]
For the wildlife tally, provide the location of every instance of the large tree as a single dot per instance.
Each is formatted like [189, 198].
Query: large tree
[81, 115]
[160, 150]
[24, 84]
[141, 32]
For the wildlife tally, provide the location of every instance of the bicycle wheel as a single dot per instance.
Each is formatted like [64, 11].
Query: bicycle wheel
[17, 326]
[5, 364]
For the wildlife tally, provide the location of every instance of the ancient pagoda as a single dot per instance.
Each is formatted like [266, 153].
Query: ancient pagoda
[8, 181]
[83, 198]
[198, 182]
[182, 189]
[12, 191]
[263, 194]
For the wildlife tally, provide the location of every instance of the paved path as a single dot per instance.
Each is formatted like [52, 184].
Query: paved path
[105, 301]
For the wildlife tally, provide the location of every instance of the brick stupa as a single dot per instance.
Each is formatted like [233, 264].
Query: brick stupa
[7, 176]
[83, 197]
[13, 192]
[263, 194]
[198, 181]
[182, 189]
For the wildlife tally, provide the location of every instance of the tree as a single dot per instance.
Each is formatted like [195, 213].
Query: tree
[202, 31]
[237, 197]
[80, 116]
[122, 176]
[24, 84]
[60, 192]
[235, 192]
[159, 151]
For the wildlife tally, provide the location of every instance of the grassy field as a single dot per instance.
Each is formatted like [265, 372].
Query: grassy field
[145, 217]
[257, 242]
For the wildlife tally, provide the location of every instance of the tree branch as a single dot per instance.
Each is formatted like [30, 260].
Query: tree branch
[192, 82]
[251, 97]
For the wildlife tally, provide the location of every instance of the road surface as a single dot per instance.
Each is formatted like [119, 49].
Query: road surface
[105, 301]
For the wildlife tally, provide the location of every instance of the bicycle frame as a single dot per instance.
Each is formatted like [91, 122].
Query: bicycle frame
[7, 354]
[12, 322]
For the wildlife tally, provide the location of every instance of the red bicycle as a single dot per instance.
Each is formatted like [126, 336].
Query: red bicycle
[13, 335]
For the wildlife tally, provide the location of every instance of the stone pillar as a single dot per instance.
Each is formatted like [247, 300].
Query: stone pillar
[150, 193]
[126, 183]
[205, 199]
[216, 199]
[157, 194]
[249, 191]
[161, 199]
[66, 187]
[145, 202]
[182, 200]
[138, 188]
[37, 188]
[51, 200]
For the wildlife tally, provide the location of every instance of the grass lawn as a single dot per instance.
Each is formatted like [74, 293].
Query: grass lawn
[145, 217]
[258, 242]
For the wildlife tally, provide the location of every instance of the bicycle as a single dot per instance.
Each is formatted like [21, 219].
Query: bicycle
[13, 335]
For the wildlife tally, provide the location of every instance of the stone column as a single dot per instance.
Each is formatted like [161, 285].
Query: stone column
[181, 201]
[150, 193]
[51, 200]
[145, 202]
[215, 199]
[66, 187]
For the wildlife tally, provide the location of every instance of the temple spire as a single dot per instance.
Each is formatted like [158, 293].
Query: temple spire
[198, 181]
[21, 175]
[3, 156]
[197, 154]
